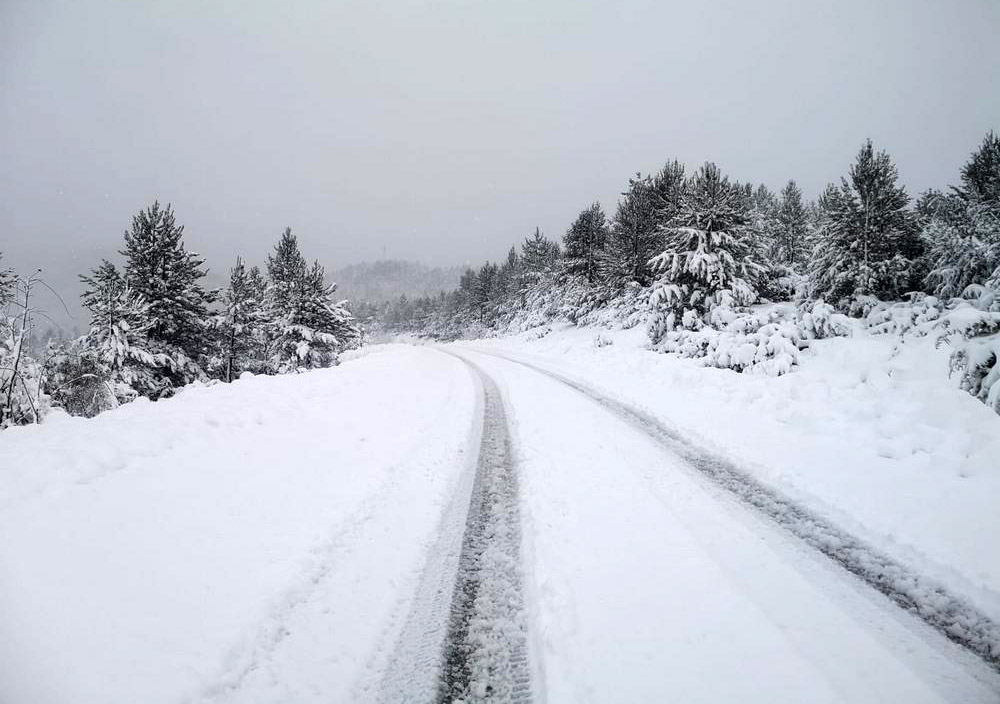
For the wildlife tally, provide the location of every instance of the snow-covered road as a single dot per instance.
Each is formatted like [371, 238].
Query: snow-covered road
[340, 535]
[646, 582]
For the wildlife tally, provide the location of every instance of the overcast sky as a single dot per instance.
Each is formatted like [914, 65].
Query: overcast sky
[444, 131]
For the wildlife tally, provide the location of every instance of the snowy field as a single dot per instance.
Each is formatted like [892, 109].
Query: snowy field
[295, 538]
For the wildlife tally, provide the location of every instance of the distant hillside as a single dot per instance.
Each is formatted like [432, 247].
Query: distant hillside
[388, 279]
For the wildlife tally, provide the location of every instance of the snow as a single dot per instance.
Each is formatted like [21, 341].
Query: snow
[869, 432]
[647, 584]
[297, 538]
[253, 542]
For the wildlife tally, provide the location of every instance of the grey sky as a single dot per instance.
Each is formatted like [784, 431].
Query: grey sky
[444, 131]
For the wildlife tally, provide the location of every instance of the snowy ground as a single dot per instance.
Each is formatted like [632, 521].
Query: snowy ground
[868, 432]
[257, 542]
[648, 584]
[297, 538]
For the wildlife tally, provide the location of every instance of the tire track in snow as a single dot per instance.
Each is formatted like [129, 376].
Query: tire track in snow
[483, 657]
[414, 667]
[258, 646]
[929, 600]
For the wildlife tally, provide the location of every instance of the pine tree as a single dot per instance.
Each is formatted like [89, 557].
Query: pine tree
[981, 175]
[707, 260]
[334, 328]
[867, 244]
[509, 274]
[538, 254]
[257, 283]
[310, 328]
[792, 233]
[467, 288]
[116, 310]
[6, 284]
[258, 359]
[762, 208]
[286, 270]
[241, 319]
[584, 243]
[963, 249]
[667, 191]
[485, 290]
[637, 229]
[168, 278]
[634, 237]
[118, 337]
[962, 230]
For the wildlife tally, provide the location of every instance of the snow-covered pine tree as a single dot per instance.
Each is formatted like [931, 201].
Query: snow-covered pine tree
[668, 188]
[963, 243]
[538, 254]
[508, 275]
[241, 320]
[168, 278]
[762, 207]
[707, 260]
[867, 244]
[485, 291]
[6, 285]
[327, 317]
[981, 174]
[764, 217]
[286, 271]
[131, 365]
[584, 243]
[634, 237]
[467, 289]
[816, 214]
[311, 329]
[962, 230]
[791, 242]
[257, 283]
[117, 312]
[962, 235]
[259, 357]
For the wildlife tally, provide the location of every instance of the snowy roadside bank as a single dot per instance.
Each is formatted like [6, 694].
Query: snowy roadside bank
[192, 548]
[868, 432]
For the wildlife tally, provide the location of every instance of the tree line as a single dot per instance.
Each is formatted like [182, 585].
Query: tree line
[691, 250]
[155, 327]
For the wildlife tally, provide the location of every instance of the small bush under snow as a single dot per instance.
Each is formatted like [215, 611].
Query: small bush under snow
[764, 341]
[972, 326]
